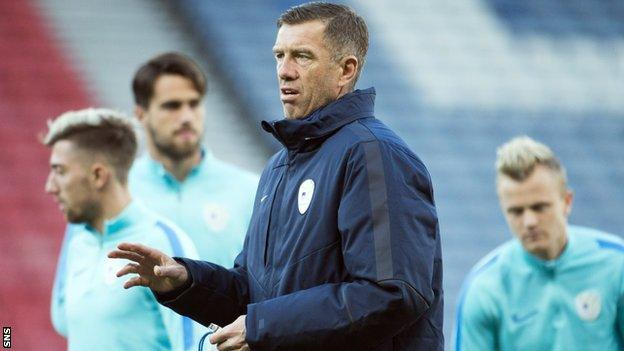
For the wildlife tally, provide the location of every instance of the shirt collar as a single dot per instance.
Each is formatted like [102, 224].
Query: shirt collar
[550, 265]
[161, 171]
[130, 215]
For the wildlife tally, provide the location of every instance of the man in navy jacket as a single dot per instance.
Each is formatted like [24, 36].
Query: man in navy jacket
[343, 248]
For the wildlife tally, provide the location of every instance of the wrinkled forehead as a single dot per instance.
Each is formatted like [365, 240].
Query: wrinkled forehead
[309, 33]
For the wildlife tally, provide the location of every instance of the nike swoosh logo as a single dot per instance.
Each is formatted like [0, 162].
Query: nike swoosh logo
[264, 198]
[521, 318]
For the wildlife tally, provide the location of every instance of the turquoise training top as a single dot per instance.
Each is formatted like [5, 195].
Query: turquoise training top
[512, 300]
[212, 205]
[95, 312]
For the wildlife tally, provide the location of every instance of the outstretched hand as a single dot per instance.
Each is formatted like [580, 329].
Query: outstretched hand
[155, 269]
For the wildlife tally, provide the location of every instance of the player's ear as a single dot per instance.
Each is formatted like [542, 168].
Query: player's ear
[139, 112]
[99, 175]
[568, 199]
[348, 70]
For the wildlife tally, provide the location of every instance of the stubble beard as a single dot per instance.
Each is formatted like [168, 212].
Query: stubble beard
[88, 213]
[171, 151]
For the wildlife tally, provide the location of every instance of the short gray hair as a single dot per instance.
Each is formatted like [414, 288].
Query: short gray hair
[518, 157]
[345, 31]
[107, 132]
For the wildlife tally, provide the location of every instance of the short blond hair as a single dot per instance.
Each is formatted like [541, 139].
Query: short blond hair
[98, 131]
[518, 157]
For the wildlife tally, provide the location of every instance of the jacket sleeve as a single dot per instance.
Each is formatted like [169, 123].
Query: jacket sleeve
[57, 304]
[388, 231]
[215, 295]
[476, 322]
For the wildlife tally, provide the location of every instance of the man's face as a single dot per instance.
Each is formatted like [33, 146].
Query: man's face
[174, 118]
[69, 183]
[537, 211]
[307, 74]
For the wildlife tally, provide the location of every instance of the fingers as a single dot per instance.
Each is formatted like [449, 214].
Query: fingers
[137, 252]
[129, 255]
[227, 345]
[231, 345]
[136, 281]
[218, 337]
[128, 269]
[231, 337]
[141, 250]
[129, 246]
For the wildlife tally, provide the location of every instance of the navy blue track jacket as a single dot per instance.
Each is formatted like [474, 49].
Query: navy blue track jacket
[343, 248]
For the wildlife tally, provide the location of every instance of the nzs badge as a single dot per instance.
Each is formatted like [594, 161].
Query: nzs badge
[588, 304]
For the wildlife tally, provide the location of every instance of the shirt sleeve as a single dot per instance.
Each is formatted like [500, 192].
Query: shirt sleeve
[620, 310]
[183, 333]
[475, 324]
[245, 217]
[389, 240]
[57, 304]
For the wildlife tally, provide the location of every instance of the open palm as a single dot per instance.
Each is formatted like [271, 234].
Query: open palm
[154, 269]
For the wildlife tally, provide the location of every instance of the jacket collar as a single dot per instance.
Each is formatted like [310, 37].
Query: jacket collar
[295, 133]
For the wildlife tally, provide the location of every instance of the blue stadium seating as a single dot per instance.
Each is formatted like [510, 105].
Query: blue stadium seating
[598, 19]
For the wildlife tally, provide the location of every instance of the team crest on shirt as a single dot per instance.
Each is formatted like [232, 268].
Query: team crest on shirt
[216, 216]
[306, 190]
[588, 305]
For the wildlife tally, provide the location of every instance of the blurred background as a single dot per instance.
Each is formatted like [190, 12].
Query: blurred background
[454, 78]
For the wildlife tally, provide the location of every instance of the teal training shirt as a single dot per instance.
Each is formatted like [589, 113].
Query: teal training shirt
[96, 312]
[212, 205]
[512, 300]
